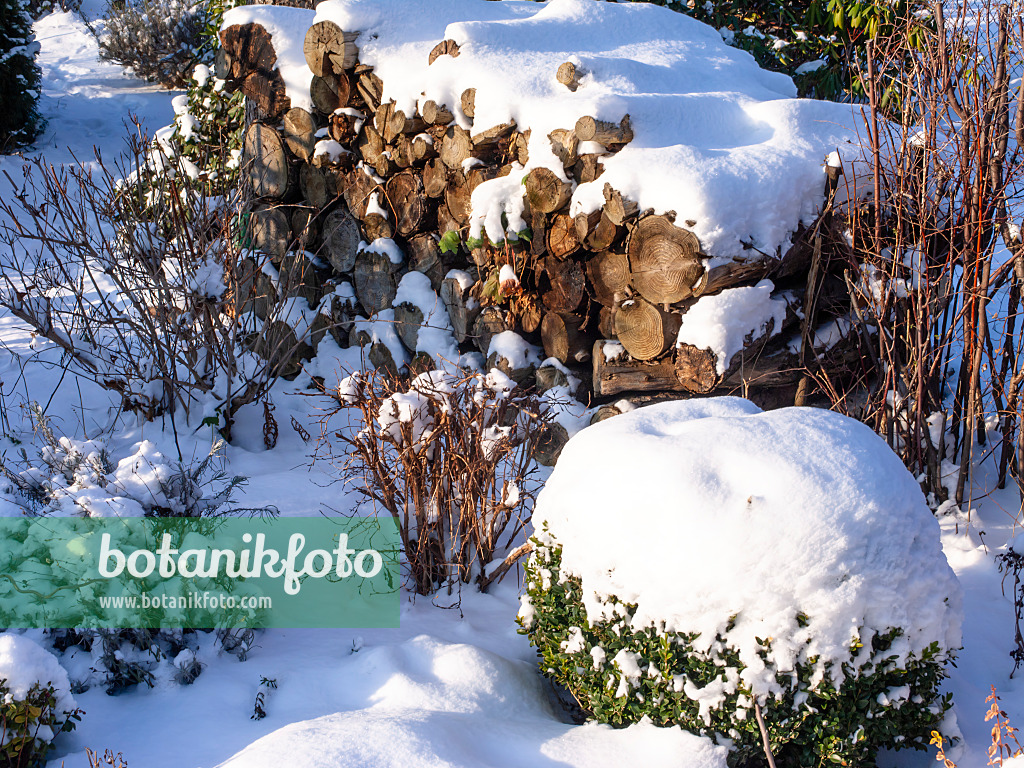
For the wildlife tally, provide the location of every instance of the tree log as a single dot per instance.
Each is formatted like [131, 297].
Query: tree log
[268, 166]
[408, 320]
[562, 239]
[595, 230]
[603, 132]
[330, 92]
[358, 188]
[563, 339]
[468, 102]
[552, 440]
[313, 185]
[409, 202]
[456, 146]
[329, 50]
[488, 324]
[436, 114]
[425, 257]
[374, 279]
[564, 144]
[664, 260]
[546, 192]
[435, 178]
[617, 208]
[444, 48]
[457, 198]
[615, 372]
[251, 62]
[453, 298]
[643, 329]
[271, 231]
[341, 239]
[569, 75]
[299, 132]
[568, 284]
[343, 126]
[609, 276]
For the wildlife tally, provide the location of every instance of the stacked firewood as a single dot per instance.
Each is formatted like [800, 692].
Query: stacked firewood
[603, 292]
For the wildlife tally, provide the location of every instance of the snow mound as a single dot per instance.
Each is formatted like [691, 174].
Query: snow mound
[436, 704]
[23, 663]
[717, 519]
[712, 130]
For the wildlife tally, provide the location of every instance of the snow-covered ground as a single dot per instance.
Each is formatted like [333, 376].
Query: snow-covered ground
[451, 687]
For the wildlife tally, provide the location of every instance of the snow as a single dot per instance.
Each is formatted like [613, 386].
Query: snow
[712, 130]
[340, 691]
[23, 664]
[430, 703]
[287, 27]
[758, 516]
[435, 335]
[514, 348]
[723, 322]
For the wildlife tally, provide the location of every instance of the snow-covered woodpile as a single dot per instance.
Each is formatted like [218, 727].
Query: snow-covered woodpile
[608, 182]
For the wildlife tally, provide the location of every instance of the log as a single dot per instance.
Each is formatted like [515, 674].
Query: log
[568, 284]
[569, 75]
[425, 256]
[408, 320]
[617, 208]
[563, 339]
[562, 239]
[604, 132]
[345, 125]
[409, 202]
[305, 228]
[271, 231]
[549, 447]
[369, 144]
[330, 92]
[615, 372]
[609, 276]
[313, 186]
[643, 329]
[435, 178]
[549, 376]
[445, 221]
[468, 102]
[546, 192]
[604, 413]
[370, 89]
[357, 189]
[278, 345]
[457, 198]
[588, 168]
[664, 260]
[330, 50]
[606, 322]
[456, 146]
[519, 375]
[251, 64]
[595, 230]
[381, 358]
[266, 162]
[490, 139]
[376, 226]
[398, 124]
[341, 239]
[489, 323]
[444, 48]
[695, 369]
[453, 298]
[436, 114]
[564, 144]
[374, 280]
[299, 130]
[298, 278]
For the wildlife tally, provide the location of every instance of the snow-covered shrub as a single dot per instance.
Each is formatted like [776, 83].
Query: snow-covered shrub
[450, 457]
[170, 310]
[35, 702]
[39, 8]
[158, 40]
[71, 477]
[20, 121]
[706, 564]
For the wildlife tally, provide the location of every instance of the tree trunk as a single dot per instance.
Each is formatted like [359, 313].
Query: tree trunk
[329, 50]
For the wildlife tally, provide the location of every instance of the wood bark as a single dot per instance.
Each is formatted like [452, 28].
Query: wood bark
[468, 102]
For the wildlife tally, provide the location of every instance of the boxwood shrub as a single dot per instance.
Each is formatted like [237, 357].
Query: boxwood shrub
[620, 675]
